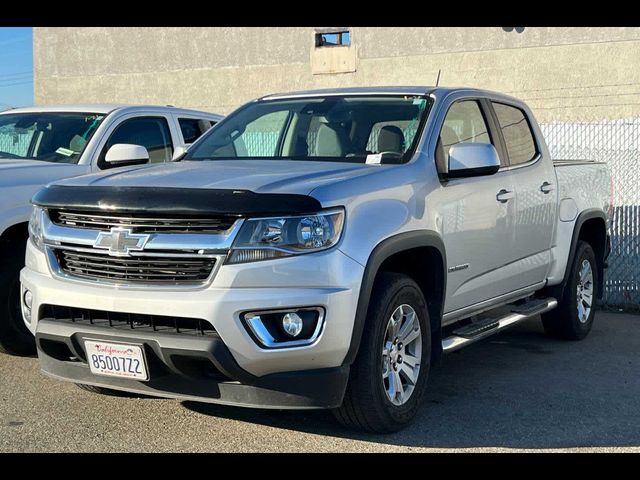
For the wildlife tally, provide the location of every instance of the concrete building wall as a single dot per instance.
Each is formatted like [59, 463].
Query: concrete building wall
[565, 73]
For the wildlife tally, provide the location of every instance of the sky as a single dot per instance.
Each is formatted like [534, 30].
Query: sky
[16, 67]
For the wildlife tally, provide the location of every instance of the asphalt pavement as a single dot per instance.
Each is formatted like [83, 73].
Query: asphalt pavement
[518, 390]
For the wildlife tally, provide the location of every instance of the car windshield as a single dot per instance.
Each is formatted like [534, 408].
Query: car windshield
[332, 128]
[47, 136]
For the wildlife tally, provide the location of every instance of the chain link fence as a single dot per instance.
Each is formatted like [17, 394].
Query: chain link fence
[16, 144]
[616, 142]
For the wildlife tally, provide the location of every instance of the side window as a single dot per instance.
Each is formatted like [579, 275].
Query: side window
[464, 123]
[150, 132]
[517, 134]
[192, 128]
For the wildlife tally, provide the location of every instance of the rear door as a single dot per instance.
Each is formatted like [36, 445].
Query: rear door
[534, 180]
[191, 128]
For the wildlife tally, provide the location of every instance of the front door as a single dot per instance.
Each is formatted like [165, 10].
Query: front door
[477, 216]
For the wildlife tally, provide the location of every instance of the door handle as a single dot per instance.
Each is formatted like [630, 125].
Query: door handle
[504, 196]
[546, 187]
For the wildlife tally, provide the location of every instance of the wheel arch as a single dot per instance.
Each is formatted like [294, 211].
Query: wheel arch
[590, 226]
[398, 254]
[18, 231]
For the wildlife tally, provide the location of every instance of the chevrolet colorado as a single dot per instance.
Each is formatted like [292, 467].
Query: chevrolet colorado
[41, 144]
[317, 249]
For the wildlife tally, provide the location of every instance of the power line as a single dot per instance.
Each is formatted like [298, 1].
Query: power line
[16, 74]
[16, 79]
[15, 40]
[17, 83]
[575, 87]
[566, 97]
[587, 106]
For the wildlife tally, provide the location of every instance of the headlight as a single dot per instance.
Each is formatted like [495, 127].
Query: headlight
[35, 227]
[267, 238]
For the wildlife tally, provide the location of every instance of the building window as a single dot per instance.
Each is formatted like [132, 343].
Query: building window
[333, 39]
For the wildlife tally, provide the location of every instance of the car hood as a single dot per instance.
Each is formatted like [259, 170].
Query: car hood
[260, 176]
[15, 173]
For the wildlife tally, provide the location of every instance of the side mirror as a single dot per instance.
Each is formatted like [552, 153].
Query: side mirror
[179, 152]
[472, 160]
[124, 154]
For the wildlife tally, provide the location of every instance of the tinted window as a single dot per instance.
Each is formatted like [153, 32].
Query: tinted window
[47, 136]
[464, 123]
[192, 128]
[150, 132]
[516, 132]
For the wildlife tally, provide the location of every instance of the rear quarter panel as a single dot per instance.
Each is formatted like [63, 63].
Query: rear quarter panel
[582, 186]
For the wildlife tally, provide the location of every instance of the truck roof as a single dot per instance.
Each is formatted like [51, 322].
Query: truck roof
[108, 108]
[384, 90]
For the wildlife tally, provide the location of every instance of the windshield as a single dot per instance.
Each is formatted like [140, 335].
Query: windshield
[332, 128]
[50, 137]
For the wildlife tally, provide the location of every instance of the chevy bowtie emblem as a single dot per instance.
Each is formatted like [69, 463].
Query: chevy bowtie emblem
[121, 241]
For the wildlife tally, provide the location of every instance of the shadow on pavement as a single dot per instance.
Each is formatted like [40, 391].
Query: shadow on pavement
[519, 389]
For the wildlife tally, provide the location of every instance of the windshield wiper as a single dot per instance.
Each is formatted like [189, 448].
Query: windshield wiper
[12, 155]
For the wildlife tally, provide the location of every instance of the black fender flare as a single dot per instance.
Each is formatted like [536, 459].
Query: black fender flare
[585, 215]
[384, 250]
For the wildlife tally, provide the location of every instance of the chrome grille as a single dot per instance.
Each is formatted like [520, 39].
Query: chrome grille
[171, 268]
[143, 223]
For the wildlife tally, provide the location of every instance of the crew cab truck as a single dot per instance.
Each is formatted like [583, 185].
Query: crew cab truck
[41, 144]
[317, 250]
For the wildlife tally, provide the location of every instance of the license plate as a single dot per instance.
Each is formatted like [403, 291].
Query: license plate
[116, 360]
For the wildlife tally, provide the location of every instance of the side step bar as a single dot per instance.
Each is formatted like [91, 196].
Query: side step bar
[477, 331]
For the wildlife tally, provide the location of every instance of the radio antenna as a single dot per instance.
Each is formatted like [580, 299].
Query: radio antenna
[438, 79]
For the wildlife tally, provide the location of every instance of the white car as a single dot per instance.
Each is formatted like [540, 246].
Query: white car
[41, 144]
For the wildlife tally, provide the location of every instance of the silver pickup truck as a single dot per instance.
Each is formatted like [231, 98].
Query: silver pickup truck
[318, 249]
[45, 143]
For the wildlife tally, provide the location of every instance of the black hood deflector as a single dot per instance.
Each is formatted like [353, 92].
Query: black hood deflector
[185, 201]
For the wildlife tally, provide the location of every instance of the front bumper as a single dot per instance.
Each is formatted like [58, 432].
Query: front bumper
[299, 377]
[200, 369]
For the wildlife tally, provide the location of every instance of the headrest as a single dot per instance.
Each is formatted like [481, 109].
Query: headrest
[390, 139]
[329, 142]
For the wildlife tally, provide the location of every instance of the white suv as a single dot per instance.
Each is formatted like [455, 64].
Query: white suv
[41, 144]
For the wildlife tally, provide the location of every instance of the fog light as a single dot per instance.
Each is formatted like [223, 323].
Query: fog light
[292, 324]
[286, 328]
[27, 299]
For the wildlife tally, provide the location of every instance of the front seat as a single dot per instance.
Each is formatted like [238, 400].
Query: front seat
[331, 142]
[448, 137]
[391, 139]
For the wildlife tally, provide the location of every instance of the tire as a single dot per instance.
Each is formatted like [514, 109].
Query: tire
[15, 337]
[564, 321]
[367, 405]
